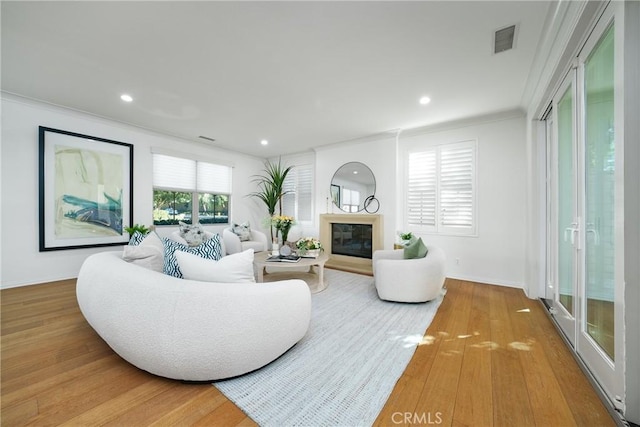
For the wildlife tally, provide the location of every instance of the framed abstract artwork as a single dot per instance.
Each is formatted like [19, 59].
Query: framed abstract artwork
[86, 190]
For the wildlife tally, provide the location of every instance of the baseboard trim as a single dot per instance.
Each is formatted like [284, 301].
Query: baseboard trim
[486, 281]
[16, 284]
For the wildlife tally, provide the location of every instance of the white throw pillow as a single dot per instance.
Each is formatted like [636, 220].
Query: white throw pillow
[235, 268]
[149, 253]
[152, 239]
[145, 256]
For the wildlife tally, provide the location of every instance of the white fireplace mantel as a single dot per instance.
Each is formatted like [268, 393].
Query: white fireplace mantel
[348, 263]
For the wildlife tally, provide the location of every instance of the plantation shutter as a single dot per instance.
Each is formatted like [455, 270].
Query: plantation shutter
[421, 189]
[297, 202]
[457, 174]
[289, 198]
[304, 193]
[350, 200]
[441, 189]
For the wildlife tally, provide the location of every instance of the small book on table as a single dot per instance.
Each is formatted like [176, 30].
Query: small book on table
[283, 258]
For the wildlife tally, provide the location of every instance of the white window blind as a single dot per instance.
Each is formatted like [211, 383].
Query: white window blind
[213, 178]
[175, 173]
[298, 186]
[441, 189]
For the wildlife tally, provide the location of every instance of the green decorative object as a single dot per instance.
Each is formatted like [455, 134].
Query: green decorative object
[416, 249]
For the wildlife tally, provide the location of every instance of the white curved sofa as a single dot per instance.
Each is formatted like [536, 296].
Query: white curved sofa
[408, 280]
[189, 330]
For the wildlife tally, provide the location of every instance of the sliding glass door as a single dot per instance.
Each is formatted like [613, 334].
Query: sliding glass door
[564, 202]
[602, 211]
[585, 200]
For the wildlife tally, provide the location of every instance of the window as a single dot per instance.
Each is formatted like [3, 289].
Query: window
[350, 200]
[190, 191]
[298, 200]
[441, 189]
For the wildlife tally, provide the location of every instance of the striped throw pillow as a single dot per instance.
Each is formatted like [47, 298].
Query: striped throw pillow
[209, 249]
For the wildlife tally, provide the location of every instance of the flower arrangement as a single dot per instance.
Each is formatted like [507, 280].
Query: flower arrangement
[308, 243]
[283, 224]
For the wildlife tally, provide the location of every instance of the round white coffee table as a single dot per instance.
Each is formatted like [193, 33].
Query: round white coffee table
[314, 274]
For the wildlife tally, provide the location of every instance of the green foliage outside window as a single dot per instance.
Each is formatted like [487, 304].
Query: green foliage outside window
[213, 208]
[171, 207]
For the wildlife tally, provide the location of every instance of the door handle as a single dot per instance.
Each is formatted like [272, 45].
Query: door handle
[568, 232]
[571, 232]
[596, 235]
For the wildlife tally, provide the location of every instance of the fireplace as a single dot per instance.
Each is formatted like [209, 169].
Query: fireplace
[350, 240]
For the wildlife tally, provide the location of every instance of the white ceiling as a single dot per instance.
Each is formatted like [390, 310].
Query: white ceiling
[299, 74]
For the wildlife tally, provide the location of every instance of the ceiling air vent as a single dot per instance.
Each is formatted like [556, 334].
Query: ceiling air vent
[207, 138]
[503, 39]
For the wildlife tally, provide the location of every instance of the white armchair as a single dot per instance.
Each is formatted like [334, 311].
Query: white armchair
[232, 243]
[408, 280]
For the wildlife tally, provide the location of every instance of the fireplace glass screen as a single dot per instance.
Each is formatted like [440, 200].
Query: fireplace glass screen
[351, 240]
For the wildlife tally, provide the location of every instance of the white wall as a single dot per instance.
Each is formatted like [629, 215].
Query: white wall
[379, 154]
[21, 262]
[496, 254]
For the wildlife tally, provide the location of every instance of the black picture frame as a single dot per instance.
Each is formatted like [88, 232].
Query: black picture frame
[85, 190]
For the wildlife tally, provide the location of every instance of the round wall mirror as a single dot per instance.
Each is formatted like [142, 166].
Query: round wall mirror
[351, 185]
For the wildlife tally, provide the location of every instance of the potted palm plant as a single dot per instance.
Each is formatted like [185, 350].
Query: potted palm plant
[271, 188]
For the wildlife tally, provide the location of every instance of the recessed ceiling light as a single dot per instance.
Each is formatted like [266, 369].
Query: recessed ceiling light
[355, 172]
[425, 100]
[264, 142]
[126, 98]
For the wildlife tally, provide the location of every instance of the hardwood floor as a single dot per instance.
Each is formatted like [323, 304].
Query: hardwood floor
[491, 357]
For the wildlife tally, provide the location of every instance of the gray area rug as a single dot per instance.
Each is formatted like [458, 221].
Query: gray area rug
[343, 371]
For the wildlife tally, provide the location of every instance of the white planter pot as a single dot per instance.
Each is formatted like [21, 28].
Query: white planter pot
[313, 253]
